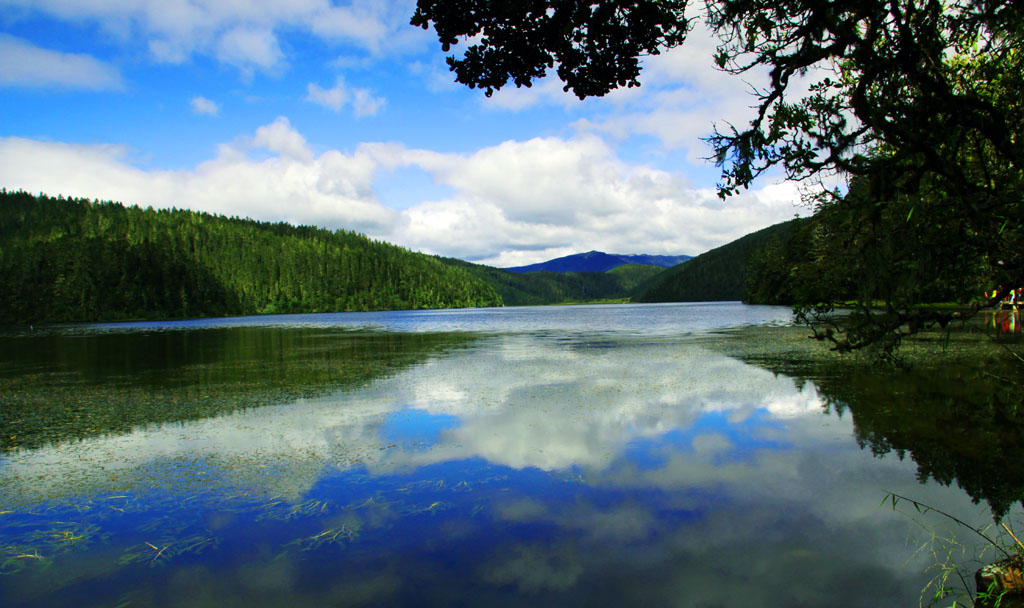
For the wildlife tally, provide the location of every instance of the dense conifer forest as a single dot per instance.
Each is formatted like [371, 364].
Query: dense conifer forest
[74, 260]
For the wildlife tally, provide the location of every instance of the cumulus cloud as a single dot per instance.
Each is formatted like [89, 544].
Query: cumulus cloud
[202, 105]
[363, 101]
[685, 97]
[280, 138]
[271, 176]
[377, 27]
[682, 95]
[523, 202]
[515, 203]
[365, 104]
[27, 65]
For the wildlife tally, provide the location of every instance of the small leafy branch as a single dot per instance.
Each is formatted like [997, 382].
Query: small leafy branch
[922, 509]
[950, 566]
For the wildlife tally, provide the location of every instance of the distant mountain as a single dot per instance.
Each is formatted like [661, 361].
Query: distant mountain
[543, 288]
[718, 275]
[597, 261]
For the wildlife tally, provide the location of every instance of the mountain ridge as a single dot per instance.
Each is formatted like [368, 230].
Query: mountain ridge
[598, 261]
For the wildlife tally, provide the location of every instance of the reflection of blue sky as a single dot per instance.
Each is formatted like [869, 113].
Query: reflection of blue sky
[713, 433]
[415, 428]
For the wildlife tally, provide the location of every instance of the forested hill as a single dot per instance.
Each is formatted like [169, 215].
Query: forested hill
[70, 260]
[717, 275]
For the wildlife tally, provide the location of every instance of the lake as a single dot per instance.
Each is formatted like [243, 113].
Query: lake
[621, 455]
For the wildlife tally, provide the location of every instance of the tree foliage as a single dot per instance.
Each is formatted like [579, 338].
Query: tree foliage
[593, 46]
[885, 266]
[918, 103]
[80, 260]
[721, 274]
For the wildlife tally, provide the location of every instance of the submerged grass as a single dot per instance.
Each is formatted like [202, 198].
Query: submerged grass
[56, 389]
[156, 529]
[794, 346]
[166, 549]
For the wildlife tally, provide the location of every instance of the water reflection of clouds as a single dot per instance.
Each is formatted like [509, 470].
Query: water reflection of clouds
[561, 408]
[518, 401]
[788, 527]
[514, 400]
[697, 478]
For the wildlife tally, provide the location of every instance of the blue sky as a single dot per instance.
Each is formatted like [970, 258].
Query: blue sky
[342, 115]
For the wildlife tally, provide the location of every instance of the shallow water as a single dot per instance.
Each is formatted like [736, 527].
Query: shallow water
[560, 456]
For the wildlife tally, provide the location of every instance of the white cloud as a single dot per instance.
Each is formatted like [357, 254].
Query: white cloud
[511, 204]
[682, 96]
[523, 202]
[251, 48]
[547, 91]
[26, 65]
[332, 99]
[504, 418]
[242, 34]
[365, 104]
[333, 190]
[681, 93]
[279, 137]
[335, 98]
[166, 51]
[364, 22]
[202, 105]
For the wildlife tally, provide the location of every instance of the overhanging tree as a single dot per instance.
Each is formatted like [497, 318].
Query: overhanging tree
[920, 102]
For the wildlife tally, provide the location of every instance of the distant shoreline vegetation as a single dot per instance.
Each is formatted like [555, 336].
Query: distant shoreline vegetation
[77, 260]
[545, 288]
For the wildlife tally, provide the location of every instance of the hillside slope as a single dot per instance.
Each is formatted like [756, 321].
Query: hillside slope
[72, 260]
[718, 275]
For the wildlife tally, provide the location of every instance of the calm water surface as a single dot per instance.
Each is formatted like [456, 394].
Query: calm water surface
[559, 456]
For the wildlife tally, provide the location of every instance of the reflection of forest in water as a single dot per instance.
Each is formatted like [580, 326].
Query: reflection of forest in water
[61, 387]
[957, 413]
